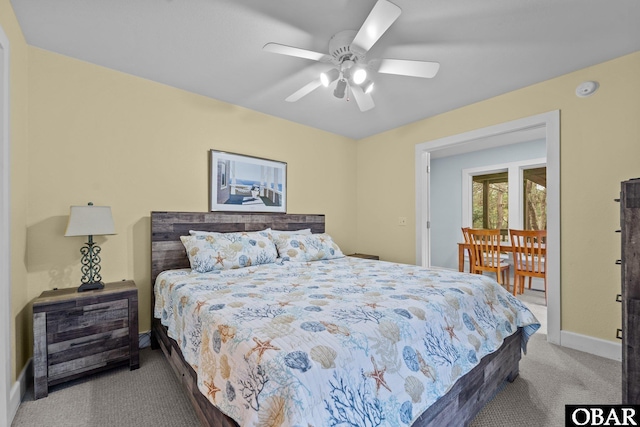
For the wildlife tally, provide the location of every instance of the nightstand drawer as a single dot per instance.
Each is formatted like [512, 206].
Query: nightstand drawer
[87, 345]
[62, 371]
[90, 319]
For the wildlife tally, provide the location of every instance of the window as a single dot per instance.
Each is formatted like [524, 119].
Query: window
[535, 199]
[507, 195]
[490, 201]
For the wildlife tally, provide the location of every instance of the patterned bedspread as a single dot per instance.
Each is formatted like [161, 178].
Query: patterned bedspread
[336, 342]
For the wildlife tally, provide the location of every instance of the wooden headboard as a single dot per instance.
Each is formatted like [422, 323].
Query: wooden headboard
[167, 251]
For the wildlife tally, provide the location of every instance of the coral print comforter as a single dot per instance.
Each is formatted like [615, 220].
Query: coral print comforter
[336, 342]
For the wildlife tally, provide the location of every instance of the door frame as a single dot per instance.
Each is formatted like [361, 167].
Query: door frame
[549, 123]
[5, 237]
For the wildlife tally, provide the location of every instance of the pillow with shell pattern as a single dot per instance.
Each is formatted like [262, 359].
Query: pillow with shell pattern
[307, 247]
[223, 251]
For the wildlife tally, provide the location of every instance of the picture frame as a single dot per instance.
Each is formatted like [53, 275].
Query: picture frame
[241, 183]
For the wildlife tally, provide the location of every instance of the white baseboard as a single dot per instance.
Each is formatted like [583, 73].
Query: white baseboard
[19, 389]
[603, 348]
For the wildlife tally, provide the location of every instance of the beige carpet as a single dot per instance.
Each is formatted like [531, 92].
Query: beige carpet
[149, 396]
[550, 377]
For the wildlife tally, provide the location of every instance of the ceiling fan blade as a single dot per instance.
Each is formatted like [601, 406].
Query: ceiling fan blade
[407, 67]
[364, 100]
[383, 14]
[304, 90]
[296, 51]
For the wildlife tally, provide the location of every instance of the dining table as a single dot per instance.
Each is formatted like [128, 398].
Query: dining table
[505, 247]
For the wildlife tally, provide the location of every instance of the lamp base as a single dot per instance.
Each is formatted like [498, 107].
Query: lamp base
[90, 286]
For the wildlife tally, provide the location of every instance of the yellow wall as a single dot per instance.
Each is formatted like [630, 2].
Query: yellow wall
[600, 146]
[99, 135]
[107, 137]
[20, 315]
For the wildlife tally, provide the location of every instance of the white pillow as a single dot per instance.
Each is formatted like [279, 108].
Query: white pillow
[276, 233]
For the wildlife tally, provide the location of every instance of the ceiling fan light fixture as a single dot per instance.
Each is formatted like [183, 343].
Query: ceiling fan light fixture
[348, 50]
[359, 76]
[329, 77]
[341, 88]
[367, 86]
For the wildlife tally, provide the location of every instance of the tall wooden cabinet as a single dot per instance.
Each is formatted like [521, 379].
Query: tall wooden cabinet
[630, 263]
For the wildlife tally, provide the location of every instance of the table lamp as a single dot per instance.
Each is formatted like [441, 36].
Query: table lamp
[90, 221]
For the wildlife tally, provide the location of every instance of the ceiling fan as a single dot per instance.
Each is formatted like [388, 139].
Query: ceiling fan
[347, 54]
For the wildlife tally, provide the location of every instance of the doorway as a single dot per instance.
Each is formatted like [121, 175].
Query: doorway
[507, 196]
[547, 125]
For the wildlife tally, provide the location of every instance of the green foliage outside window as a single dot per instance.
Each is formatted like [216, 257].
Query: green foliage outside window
[490, 200]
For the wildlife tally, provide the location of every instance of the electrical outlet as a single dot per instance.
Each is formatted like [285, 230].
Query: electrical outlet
[402, 221]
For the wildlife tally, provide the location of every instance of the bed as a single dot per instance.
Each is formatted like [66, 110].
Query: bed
[328, 342]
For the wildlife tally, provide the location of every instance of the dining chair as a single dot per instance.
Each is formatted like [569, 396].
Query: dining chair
[485, 245]
[467, 241]
[529, 257]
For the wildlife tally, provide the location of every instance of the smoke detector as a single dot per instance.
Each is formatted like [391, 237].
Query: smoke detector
[586, 89]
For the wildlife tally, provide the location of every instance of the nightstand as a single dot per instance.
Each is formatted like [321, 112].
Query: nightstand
[365, 256]
[79, 333]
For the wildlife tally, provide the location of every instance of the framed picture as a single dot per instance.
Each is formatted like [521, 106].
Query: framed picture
[245, 183]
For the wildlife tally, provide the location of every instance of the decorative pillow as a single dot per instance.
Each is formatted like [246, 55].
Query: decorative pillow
[203, 233]
[275, 234]
[223, 251]
[307, 247]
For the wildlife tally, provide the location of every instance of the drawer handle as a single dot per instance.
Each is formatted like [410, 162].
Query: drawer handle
[618, 231]
[618, 262]
[619, 298]
[73, 344]
[616, 200]
[619, 334]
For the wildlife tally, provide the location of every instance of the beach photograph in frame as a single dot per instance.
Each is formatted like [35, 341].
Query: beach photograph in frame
[242, 183]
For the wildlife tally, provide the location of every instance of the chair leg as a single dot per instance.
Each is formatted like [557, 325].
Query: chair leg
[530, 279]
[516, 283]
[505, 282]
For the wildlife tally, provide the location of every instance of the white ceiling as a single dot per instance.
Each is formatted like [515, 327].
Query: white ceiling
[214, 48]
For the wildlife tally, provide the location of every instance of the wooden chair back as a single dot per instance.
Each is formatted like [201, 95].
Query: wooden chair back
[485, 248]
[465, 234]
[529, 255]
[529, 250]
[467, 240]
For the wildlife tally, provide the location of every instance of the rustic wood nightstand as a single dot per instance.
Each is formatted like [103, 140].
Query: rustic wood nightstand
[365, 256]
[79, 333]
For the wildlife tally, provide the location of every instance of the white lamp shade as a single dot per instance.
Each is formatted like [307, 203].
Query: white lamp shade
[90, 221]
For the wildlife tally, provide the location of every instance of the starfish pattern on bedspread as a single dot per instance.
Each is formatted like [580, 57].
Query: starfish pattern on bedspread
[337, 342]
[377, 375]
[261, 347]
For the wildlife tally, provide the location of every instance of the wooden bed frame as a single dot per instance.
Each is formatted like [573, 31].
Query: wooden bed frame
[458, 407]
